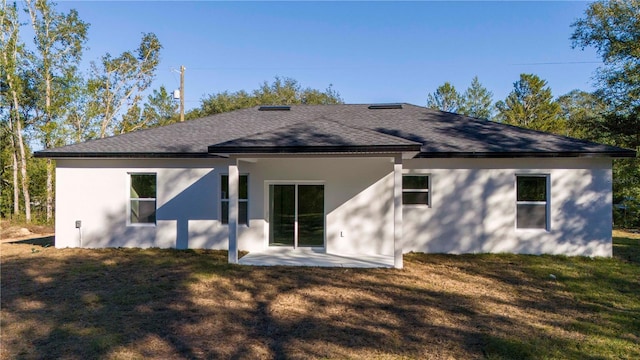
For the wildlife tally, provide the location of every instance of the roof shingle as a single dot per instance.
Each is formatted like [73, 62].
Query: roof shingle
[304, 127]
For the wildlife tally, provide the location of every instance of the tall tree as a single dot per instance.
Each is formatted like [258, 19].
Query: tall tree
[7, 70]
[80, 123]
[477, 101]
[9, 190]
[159, 109]
[583, 114]
[445, 98]
[613, 29]
[530, 104]
[117, 83]
[316, 97]
[288, 91]
[13, 53]
[222, 102]
[282, 91]
[131, 120]
[59, 40]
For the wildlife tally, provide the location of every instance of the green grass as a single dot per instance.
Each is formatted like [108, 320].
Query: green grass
[132, 303]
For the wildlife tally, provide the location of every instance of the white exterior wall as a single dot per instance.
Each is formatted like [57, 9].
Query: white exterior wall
[358, 201]
[96, 192]
[473, 204]
[473, 207]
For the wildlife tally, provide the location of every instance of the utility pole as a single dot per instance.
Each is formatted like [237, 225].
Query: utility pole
[181, 93]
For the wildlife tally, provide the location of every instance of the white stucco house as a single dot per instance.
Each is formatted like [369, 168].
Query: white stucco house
[350, 180]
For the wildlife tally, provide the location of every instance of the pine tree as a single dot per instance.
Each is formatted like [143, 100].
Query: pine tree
[445, 98]
[477, 101]
[531, 105]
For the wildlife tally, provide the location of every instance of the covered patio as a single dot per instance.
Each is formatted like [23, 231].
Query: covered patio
[313, 257]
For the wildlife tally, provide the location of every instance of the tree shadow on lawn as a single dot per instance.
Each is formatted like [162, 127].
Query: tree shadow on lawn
[596, 300]
[73, 303]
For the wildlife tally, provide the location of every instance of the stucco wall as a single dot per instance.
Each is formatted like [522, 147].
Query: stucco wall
[474, 207]
[358, 202]
[472, 204]
[96, 192]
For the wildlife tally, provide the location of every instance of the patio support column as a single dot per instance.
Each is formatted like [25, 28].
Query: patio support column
[234, 181]
[397, 212]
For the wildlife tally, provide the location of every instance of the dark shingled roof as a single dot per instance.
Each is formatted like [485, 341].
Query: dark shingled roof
[337, 128]
[320, 135]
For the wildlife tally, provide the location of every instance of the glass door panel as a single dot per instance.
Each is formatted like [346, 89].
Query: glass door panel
[282, 214]
[310, 215]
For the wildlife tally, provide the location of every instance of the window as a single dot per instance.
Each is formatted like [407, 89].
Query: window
[243, 200]
[532, 201]
[142, 203]
[415, 190]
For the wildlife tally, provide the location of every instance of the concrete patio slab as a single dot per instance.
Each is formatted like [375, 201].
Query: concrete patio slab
[313, 257]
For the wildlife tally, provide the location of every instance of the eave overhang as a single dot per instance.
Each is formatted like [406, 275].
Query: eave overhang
[528, 154]
[328, 149]
[122, 155]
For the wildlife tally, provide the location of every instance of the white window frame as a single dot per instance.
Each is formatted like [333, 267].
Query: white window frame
[129, 198]
[428, 191]
[547, 202]
[239, 200]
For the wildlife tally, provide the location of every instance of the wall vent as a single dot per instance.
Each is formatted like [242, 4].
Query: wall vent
[385, 106]
[274, 108]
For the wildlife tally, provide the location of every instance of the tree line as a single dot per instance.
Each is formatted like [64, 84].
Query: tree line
[47, 101]
[609, 115]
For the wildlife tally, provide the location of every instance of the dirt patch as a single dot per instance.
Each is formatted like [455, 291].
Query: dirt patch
[628, 233]
[15, 232]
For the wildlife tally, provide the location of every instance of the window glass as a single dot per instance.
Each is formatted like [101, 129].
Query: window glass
[224, 212]
[532, 202]
[243, 218]
[143, 211]
[532, 188]
[415, 198]
[243, 199]
[143, 186]
[243, 188]
[415, 190]
[532, 216]
[224, 187]
[142, 202]
[415, 182]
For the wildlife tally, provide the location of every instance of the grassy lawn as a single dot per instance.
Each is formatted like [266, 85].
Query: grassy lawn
[128, 303]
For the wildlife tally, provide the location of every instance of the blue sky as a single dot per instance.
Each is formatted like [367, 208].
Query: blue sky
[369, 51]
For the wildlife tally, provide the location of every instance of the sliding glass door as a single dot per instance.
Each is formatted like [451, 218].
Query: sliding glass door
[282, 214]
[310, 215]
[296, 215]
